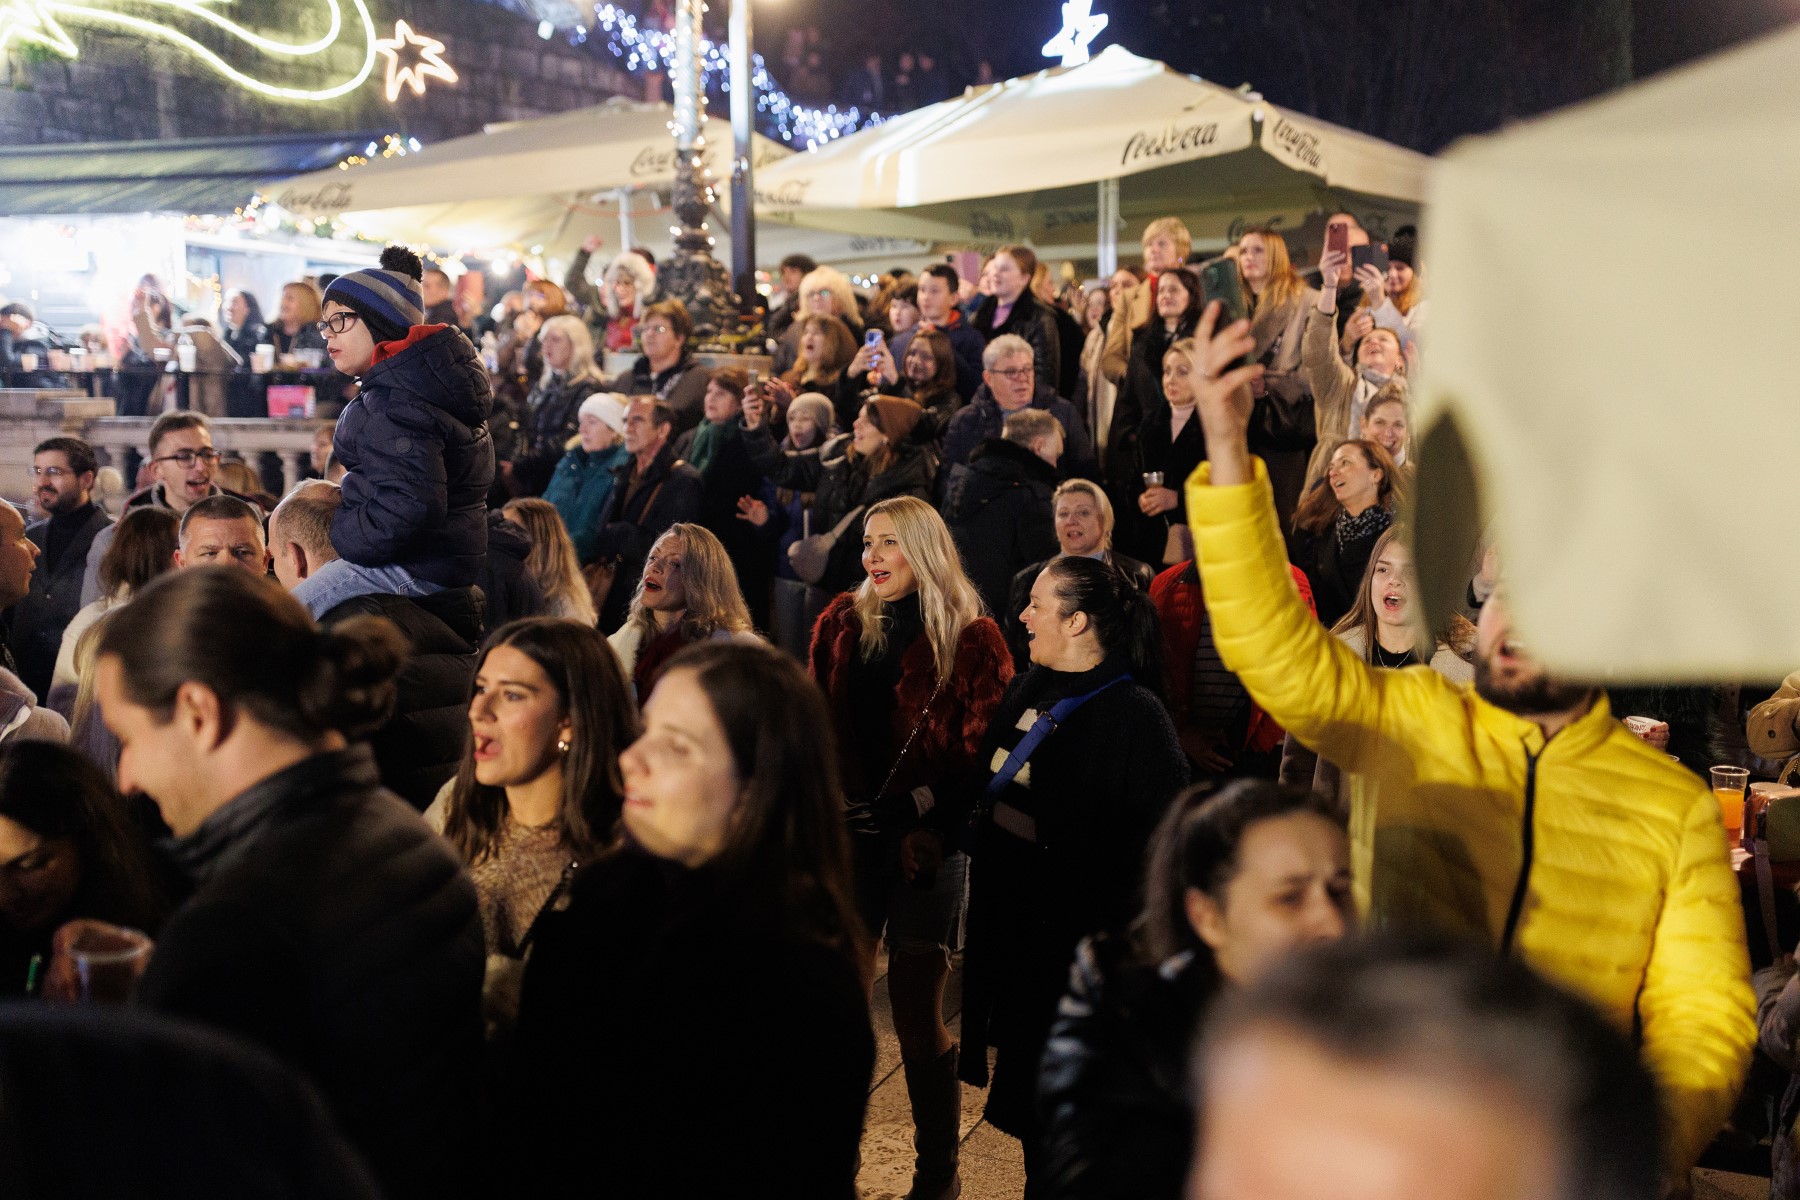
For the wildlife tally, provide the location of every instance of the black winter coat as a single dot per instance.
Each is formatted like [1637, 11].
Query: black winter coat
[999, 512]
[845, 484]
[1139, 394]
[329, 924]
[1098, 786]
[183, 1113]
[415, 444]
[1334, 571]
[1112, 1093]
[508, 591]
[1176, 459]
[550, 420]
[421, 745]
[674, 1042]
[39, 619]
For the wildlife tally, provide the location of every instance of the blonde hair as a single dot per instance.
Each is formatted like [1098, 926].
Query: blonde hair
[87, 699]
[581, 349]
[832, 280]
[947, 600]
[1284, 282]
[1082, 487]
[552, 561]
[710, 582]
[1175, 230]
[310, 309]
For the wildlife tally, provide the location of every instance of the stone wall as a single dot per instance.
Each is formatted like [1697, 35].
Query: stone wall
[128, 87]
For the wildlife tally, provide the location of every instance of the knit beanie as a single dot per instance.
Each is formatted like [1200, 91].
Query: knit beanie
[606, 407]
[824, 415]
[897, 416]
[389, 299]
[1404, 247]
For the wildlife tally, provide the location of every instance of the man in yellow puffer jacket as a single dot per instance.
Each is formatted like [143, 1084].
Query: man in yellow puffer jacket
[1518, 812]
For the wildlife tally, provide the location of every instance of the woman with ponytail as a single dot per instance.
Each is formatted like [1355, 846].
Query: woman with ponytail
[1079, 764]
[327, 922]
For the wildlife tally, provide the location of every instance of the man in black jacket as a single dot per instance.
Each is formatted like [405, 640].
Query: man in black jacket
[651, 492]
[418, 748]
[63, 471]
[998, 507]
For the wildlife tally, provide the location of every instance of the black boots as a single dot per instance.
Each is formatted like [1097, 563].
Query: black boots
[936, 1099]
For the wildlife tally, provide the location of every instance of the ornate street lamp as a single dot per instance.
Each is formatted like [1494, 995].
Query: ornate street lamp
[694, 276]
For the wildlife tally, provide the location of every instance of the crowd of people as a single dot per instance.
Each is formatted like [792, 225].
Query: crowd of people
[543, 781]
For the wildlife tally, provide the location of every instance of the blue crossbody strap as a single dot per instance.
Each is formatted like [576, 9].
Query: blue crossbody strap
[1040, 729]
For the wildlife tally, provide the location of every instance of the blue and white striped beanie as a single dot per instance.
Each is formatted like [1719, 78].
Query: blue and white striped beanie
[389, 298]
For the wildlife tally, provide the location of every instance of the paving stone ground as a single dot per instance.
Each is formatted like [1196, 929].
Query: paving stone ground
[992, 1168]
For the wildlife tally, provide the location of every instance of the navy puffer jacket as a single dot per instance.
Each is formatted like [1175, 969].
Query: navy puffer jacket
[420, 460]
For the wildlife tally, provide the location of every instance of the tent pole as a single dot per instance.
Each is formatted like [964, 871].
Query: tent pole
[625, 236]
[1107, 227]
[743, 190]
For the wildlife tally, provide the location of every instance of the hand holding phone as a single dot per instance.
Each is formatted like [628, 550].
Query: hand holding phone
[1337, 239]
[872, 338]
[1220, 281]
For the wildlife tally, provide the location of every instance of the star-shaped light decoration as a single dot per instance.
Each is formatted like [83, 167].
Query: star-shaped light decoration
[1081, 25]
[421, 55]
[31, 21]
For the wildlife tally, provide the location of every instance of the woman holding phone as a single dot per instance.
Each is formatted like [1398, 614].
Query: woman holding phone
[912, 671]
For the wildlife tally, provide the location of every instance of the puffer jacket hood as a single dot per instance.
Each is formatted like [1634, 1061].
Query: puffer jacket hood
[438, 367]
[1588, 854]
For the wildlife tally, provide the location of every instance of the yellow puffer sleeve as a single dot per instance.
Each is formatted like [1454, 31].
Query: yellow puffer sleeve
[1310, 682]
[1697, 1009]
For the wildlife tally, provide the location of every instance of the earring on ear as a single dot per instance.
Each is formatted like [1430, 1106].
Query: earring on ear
[562, 745]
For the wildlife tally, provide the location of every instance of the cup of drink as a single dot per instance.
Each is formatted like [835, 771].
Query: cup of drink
[28, 361]
[108, 960]
[262, 359]
[1153, 479]
[160, 353]
[1728, 785]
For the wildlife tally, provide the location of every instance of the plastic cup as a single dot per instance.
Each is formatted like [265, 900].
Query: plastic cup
[108, 961]
[1728, 785]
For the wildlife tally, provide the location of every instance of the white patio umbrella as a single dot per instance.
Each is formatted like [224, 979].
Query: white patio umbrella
[514, 184]
[1019, 160]
[1608, 361]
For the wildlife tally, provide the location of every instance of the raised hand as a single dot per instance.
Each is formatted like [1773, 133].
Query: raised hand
[1333, 266]
[1374, 284]
[750, 509]
[1222, 395]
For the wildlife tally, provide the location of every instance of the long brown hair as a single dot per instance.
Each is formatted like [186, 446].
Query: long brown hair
[714, 598]
[552, 561]
[840, 348]
[1457, 634]
[1320, 507]
[786, 857]
[1284, 282]
[603, 720]
[943, 354]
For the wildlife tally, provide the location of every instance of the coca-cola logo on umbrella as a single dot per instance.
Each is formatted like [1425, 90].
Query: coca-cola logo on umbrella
[791, 194]
[1299, 143]
[333, 197]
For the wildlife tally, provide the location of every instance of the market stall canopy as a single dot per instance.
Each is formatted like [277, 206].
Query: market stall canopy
[190, 175]
[1017, 161]
[512, 184]
[1608, 360]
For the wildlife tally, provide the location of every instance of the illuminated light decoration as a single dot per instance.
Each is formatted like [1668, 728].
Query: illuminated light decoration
[1081, 25]
[423, 57]
[27, 21]
[652, 51]
[41, 21]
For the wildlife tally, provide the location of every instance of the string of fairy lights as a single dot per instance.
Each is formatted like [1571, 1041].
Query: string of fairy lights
[646, 51]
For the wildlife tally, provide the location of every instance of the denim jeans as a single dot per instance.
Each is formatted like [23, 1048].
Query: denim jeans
[340, 580]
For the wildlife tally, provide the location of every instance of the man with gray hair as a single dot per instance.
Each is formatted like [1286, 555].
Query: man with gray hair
[1010, 385]
[419, 747]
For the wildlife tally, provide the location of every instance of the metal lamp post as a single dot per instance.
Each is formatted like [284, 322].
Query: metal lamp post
[694, 276]
[743, 184]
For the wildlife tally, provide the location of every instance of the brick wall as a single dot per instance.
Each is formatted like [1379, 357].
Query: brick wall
[124, 87]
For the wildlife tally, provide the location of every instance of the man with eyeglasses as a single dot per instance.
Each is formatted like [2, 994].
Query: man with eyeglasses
[63, 470]
[1010, 384]
[182, 463]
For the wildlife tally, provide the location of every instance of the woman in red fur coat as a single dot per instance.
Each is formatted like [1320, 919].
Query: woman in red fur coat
[913, 671]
